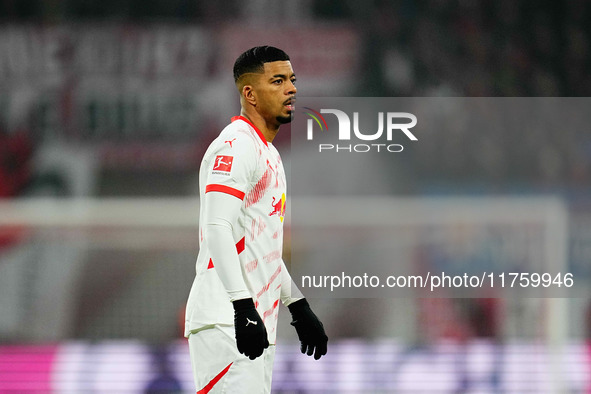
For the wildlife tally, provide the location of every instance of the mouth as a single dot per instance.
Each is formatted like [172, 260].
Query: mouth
[290, 104]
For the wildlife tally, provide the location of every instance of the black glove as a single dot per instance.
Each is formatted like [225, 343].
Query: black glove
[310, 330]
[251, 334]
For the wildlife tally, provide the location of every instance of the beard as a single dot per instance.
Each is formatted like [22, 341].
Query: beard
[285, 119]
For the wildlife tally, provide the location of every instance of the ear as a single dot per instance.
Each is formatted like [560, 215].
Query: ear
[248, 94]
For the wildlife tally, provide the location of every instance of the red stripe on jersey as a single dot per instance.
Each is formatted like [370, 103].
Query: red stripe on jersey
[240, 246]
[269, 312]
[261, 136]
[210, 265]
[213, 381]
[266, 287]
[224, 189]
[258, 190]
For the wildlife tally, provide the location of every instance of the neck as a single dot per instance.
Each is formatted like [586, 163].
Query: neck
[269, 130]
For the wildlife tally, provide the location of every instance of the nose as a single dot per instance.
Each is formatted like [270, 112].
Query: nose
[291, 88]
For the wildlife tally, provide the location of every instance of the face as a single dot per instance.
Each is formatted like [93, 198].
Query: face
[275, 92]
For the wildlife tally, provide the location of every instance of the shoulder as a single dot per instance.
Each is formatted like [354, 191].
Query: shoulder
[239, 138]
[236, 145]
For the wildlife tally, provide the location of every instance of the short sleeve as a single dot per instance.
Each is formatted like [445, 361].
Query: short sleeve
[232, 165]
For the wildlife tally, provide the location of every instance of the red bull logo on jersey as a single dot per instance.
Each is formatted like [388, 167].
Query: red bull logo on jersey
[278, 207]
[223, 164]
[389, 123]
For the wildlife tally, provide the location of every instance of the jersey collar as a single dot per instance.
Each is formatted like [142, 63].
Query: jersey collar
[261, 136]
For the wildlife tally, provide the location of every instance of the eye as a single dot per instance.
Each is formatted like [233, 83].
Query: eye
[293, 80]
[278, 81]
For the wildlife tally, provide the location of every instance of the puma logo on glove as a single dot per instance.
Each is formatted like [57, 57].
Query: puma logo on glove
[251, 338]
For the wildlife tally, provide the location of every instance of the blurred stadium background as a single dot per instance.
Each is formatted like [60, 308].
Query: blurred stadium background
[105, 111]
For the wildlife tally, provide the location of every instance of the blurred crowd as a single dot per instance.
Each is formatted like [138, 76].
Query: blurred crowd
[500, 48]
[427, 47]
[472, 48]
[489, 48]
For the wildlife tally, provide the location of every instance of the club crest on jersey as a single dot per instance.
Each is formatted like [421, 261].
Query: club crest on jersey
[278, 207]
[222, 164]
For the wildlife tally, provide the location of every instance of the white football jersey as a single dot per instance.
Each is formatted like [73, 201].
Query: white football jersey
[240, 162]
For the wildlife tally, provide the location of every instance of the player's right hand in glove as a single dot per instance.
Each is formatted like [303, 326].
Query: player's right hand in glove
[251, 334]
[309, 328]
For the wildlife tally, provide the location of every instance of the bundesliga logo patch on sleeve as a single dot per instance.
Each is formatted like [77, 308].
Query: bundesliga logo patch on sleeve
[223, 164]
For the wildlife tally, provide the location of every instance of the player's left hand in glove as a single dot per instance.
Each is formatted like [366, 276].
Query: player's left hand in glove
[309, 329]
[251, 334]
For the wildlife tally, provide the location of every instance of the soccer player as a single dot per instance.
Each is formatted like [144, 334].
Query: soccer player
[231, 316]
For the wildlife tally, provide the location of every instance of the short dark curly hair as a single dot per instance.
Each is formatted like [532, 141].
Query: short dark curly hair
[253, 60]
